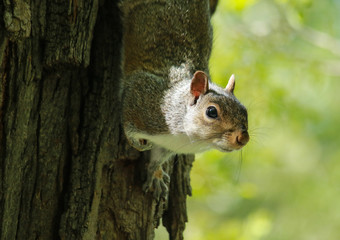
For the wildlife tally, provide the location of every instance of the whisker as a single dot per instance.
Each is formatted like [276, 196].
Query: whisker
[236, 178]
[259, 128]
[261, 133]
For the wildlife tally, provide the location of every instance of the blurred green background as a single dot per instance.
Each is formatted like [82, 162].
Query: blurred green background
[285, 184]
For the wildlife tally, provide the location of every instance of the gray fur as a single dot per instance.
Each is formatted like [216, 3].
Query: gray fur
[165, 43]
[159, 36]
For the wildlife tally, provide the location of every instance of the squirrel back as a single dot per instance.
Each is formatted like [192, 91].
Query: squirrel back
[159, 34]
[166, 89]
[169, 104]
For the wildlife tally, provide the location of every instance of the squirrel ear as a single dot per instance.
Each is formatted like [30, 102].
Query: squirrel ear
[199, 84]
[231, 84]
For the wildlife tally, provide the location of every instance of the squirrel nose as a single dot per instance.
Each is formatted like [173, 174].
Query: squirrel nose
[242, 138]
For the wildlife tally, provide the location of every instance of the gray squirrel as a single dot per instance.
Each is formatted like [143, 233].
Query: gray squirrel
[169, 103]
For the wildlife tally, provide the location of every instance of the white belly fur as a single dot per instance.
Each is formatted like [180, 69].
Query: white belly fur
[176, 143]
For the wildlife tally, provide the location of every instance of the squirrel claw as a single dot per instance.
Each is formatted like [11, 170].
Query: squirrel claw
[157, 182]
[141, 144]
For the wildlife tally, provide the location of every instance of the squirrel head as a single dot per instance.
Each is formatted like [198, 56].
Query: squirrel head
[215, 116]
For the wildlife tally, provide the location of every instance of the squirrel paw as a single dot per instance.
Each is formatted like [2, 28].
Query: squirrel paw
[157, 182]
[141, 144]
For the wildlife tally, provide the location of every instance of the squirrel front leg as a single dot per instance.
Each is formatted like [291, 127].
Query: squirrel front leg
[142, 115]
[157, 179]
[140, 144]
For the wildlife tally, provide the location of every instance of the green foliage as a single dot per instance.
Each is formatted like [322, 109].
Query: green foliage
[286, 58]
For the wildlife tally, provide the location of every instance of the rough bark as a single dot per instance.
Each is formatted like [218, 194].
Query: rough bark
[66, 171]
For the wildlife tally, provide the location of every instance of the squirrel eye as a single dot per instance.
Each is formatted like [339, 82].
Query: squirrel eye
[211, 112]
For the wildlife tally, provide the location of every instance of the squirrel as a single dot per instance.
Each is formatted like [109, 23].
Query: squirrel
[169, 104]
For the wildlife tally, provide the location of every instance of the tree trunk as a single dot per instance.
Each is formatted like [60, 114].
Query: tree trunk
[66, 171]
